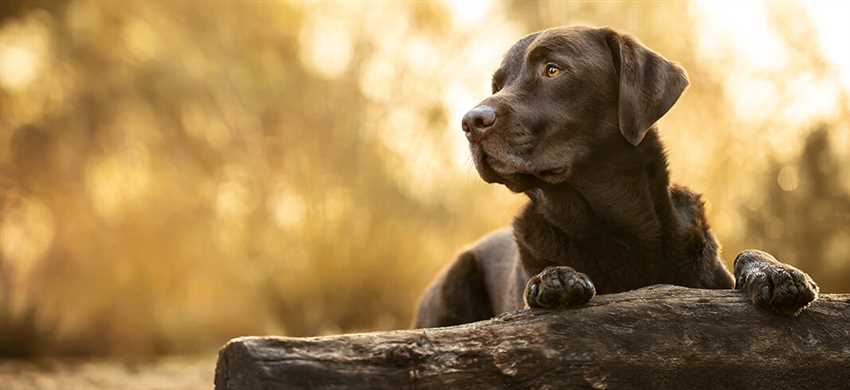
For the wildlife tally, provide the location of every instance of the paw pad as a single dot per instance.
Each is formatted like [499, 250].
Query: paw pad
[557, 287]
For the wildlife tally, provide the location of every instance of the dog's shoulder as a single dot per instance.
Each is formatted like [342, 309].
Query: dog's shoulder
[699, 242]
[496, 246]
[689, 206]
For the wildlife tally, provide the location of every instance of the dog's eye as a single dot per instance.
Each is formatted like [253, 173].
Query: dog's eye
[552, 70]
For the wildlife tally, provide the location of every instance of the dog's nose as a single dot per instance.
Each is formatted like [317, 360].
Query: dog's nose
[478, 121]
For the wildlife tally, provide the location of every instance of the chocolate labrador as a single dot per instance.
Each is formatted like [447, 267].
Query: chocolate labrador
[571, 123]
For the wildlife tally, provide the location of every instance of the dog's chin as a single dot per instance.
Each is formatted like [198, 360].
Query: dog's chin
[515, 182]
[495, 172]
[522, 182]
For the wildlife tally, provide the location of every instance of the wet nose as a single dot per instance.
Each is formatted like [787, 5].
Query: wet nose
[478, 121]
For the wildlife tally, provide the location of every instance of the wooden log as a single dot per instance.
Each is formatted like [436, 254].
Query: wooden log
[655, 337]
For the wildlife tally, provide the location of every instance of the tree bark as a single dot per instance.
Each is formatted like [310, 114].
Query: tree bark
[655, 337]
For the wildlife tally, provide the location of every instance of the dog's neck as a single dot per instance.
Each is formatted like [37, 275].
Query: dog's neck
[624, 195]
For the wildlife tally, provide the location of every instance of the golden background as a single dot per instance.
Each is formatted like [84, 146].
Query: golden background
[176, 173]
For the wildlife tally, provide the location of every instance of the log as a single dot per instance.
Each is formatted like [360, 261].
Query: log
[652, 338]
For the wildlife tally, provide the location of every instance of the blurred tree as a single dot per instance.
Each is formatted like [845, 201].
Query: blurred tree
[174, 173]
[196, 173]
[803, 213]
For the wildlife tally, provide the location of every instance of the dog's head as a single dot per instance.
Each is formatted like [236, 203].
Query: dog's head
[561, 94]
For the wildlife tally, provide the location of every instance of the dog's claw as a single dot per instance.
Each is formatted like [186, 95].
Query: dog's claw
[558, 287]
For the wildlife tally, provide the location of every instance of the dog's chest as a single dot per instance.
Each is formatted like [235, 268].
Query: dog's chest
[614, 259]
[612, 263]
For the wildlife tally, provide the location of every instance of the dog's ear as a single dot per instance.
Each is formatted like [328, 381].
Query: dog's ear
[649, 84]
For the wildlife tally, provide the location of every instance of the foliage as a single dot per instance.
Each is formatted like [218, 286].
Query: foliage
[803, 213]
[176, 173]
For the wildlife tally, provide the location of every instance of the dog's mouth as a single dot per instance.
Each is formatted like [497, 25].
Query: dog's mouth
[505, 168]
[499, 166]
[555, 175]
[496, 170]
[486, 167]
[559, 171]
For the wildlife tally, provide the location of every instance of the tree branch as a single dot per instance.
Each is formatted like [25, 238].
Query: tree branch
[655, 337]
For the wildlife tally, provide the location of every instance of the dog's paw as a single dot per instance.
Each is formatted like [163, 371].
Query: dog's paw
[775, 286]
[558, 287]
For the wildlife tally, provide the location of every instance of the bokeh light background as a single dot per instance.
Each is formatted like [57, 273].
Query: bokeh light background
[175, 173]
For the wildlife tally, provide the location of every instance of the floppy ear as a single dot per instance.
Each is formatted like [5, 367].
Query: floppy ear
[649, 85]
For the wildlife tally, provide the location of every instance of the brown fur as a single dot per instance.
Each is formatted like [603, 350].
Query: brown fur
[582, 145]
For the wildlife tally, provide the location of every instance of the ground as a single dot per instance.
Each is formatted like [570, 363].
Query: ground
[172, 373]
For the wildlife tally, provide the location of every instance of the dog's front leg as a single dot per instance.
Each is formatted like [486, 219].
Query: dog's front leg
[773, 285]
[558, 287]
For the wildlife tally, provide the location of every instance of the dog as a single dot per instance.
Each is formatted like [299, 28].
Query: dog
[571, 124]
